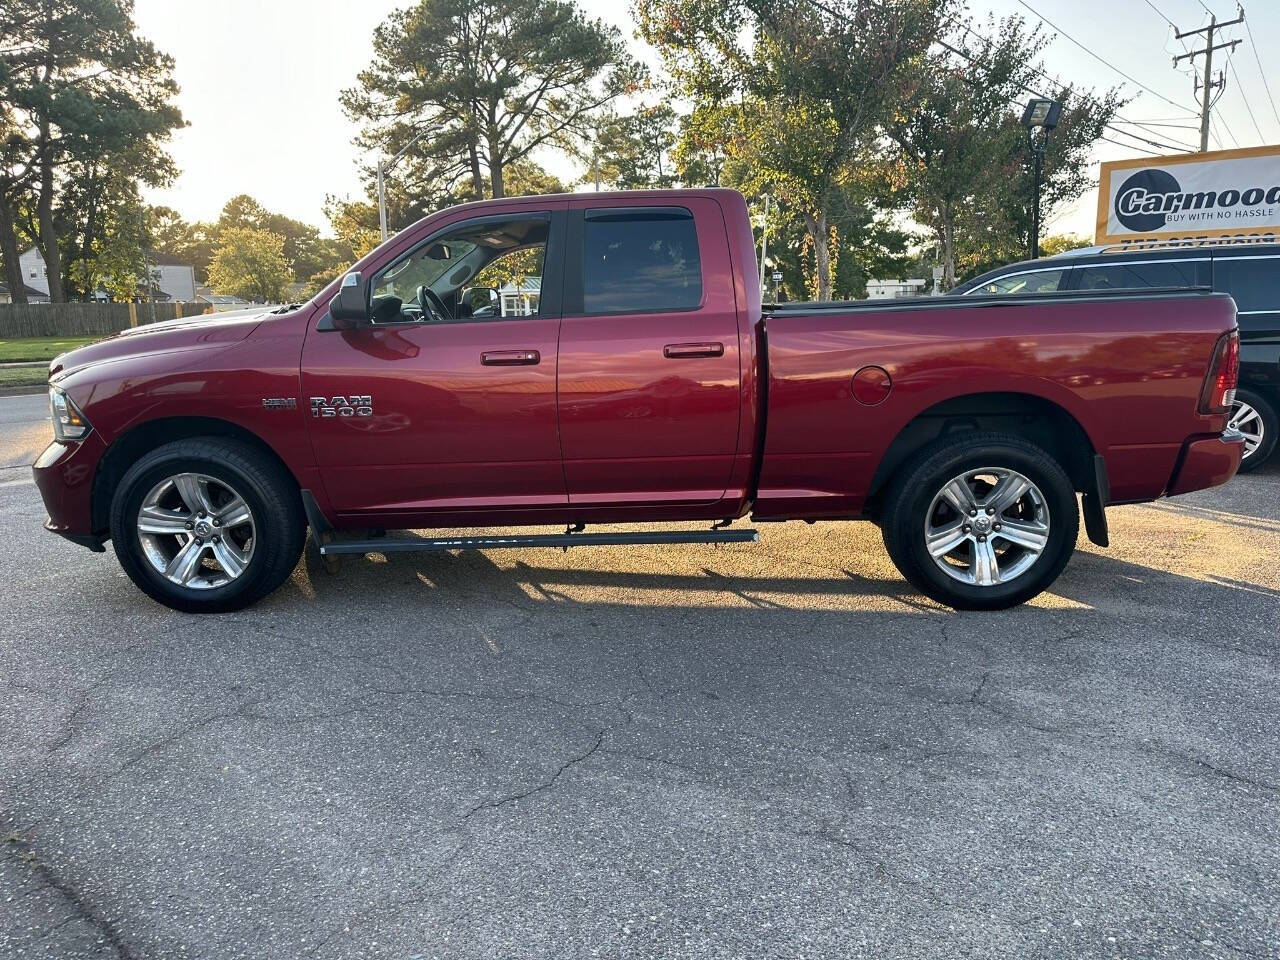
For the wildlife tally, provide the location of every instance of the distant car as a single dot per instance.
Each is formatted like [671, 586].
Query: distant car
[1250, 272]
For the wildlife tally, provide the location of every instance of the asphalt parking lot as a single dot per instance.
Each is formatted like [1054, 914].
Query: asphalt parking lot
[769, 751]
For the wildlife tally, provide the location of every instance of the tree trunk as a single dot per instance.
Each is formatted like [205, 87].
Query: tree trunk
[497, 186]
[9, 253]
[816, 226]
[496, 154]
[46, 236]
[947, 239]
[477, 178]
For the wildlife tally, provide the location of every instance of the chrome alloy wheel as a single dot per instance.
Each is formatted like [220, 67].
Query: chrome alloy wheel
[987, 526]
[1246, 420]
[196, 531]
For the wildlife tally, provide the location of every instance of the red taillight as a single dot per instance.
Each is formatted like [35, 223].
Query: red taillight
[1219, 394]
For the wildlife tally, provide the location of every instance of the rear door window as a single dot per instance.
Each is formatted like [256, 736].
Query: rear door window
[640, 260]
[1021, 284]
[1141, 275]
[1253, 282]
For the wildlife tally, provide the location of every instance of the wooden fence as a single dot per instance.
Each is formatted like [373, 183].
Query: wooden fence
[86, 319]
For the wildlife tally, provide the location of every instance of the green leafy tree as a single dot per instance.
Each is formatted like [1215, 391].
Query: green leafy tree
[1058, 243]
[78, 86]
[354, 224]
[193, 243]
[961, 154]
[304, 248]
[633, 151]
[799, 91]
[866, 243]
[490, 81]
[250, 263]
[111, 253]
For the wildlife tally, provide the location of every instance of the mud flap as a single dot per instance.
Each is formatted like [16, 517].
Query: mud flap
[1094, 502]
[321, 530]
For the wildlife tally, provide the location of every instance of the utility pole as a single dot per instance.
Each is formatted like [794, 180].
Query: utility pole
[1209, 84]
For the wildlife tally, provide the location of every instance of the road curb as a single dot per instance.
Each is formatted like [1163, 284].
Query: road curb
[32, 390]
[16, 364]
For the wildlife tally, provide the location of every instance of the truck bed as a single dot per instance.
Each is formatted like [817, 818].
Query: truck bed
[1126, 369]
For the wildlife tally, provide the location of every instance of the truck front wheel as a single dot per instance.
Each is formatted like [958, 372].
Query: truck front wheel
[207, 525]
[981, 521]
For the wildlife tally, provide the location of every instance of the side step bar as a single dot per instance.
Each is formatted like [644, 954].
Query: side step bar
[563, 540]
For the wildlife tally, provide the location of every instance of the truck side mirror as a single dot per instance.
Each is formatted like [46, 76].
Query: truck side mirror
[350, 308]
[483, 301]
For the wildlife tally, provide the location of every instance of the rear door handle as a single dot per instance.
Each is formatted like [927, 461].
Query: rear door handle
[684, 351]
[510, 358]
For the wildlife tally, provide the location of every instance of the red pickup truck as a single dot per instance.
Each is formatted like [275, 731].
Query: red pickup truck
[605, 358]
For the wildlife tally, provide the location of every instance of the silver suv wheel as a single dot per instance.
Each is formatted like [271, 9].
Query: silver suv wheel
[196, 531]
[987, 526]
[1247, 420]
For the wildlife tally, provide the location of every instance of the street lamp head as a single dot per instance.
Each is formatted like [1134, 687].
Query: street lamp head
[1041, 112]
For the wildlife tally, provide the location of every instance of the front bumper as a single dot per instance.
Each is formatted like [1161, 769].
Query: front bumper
[1209, 462]
[64, 475]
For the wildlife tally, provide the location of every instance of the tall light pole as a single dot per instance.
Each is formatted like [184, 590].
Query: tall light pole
[1044, 114]
[383, 168]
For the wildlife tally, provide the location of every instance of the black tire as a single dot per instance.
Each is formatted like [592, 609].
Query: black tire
[1270, 423]
[270, 493]
[910, 498]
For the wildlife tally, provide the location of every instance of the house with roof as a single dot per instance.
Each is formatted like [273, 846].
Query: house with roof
[171, 278]
[220, 302]
[33, 295]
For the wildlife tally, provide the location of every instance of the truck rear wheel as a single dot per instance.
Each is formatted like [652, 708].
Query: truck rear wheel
[207, 525]
[981, 521]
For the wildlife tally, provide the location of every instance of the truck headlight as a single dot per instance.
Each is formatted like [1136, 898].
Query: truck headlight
[68, 422]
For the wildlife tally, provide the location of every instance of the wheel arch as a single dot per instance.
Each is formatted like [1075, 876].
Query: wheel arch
[1035, 418]
[146, 436]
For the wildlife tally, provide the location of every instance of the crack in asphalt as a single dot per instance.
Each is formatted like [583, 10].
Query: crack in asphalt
[545, 785]
[71, 726]
[81, 909]
[1205, 765]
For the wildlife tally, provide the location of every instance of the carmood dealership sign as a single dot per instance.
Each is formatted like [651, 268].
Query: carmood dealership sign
[1226, 193]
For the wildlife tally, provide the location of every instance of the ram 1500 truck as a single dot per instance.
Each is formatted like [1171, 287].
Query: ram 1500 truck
[605, 358]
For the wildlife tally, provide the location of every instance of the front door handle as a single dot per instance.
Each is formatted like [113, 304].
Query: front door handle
[510, 358]
[684, 351]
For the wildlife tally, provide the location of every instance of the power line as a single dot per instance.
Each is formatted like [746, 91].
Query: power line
[1262, 73]
[1155, 143]
[1223, 122]
[1144, 124]
[1129, 146]
[1160, 14]
[1103, 59]
[1168, 144]
[966, 55]
[1058, 84]
[1240, 86]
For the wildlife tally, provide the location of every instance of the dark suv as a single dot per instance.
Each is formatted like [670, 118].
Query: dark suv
[1250, 272]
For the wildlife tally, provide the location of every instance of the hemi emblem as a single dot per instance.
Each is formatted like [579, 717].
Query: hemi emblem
[279, 403]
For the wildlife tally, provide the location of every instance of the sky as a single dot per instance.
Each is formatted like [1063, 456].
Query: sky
[260, 81]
